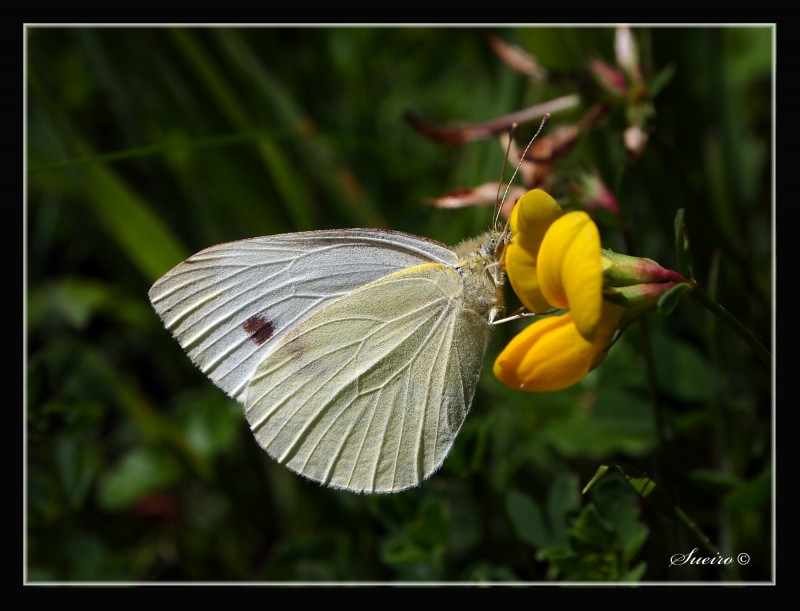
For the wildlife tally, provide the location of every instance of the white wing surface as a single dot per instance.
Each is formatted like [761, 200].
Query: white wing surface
[229, 304]
[368, 393]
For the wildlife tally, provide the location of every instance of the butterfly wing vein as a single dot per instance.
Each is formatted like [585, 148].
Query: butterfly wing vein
[368, 393]
[207, 300]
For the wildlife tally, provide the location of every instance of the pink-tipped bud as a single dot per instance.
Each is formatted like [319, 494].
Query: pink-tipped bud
[624, 270]
[595, 194]
[610, 79]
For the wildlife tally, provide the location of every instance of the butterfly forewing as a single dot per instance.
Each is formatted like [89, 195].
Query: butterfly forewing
[369, 392]
[228, 304]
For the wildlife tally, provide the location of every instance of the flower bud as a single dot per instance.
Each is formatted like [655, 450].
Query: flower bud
[609, 78]
[625, 270]
[637, 299]
[595, 194]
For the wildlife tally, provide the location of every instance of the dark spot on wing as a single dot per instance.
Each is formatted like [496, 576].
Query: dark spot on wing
[259, 328]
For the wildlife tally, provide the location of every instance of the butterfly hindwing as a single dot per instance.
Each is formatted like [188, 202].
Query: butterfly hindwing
[369, 392]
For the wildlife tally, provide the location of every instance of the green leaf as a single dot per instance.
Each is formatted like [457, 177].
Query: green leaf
[423, 540]
[619, 421]
[645, 487]
[562, 500]
[715, 480]
[210, 421]
[661, 79]
[78, 466]
[88, 556]
[401, 550]
[681, 369]
[590, 533]
[635, 538]
[484, 571]
[431, 527]
[73, 302]
[620, 509]
[131, 223]
[140, 472]
[601, 471]
[754, 494]
[527, 519]
[669, 300]
[636, 573]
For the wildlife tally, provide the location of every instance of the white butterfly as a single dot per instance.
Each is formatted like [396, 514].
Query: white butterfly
[356, 353]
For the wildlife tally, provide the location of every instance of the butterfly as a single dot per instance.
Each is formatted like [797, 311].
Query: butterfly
[356, 353]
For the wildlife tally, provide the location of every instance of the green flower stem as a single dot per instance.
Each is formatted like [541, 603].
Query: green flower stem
[664, 461]
[743, 332]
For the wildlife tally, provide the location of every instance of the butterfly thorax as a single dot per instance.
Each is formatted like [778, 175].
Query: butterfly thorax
[479, 266]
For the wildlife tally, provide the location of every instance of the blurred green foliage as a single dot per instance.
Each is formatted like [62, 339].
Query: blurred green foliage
[145, 145]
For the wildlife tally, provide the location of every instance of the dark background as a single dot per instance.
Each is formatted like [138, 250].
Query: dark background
[146, 145]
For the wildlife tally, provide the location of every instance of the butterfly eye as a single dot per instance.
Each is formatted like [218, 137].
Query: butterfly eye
[492, 241]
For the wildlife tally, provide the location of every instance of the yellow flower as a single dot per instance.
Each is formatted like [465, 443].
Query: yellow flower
[551, 354]
[530, 219]
[554, 261]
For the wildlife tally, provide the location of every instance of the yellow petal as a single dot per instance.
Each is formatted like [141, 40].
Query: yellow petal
[521, 270]
[532, 216]
[609, 322]
[570, 270]
[548, 355]
[552, 355]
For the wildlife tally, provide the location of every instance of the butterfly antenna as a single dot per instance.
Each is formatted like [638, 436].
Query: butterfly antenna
[545, 120]
[512, 133]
